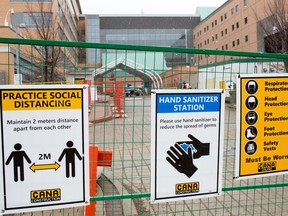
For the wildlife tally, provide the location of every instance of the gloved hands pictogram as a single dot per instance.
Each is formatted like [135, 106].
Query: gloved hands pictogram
[181, 161]
[202, 148]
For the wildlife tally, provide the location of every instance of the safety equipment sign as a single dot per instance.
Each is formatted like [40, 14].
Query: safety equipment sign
[44, 147]
[185, 162]
[262, 132]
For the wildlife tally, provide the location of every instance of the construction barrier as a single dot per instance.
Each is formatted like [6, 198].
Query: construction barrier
[120, 148]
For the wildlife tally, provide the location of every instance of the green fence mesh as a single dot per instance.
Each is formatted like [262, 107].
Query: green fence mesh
[122, 77]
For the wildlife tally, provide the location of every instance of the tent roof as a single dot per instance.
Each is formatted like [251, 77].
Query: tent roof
[140, 68]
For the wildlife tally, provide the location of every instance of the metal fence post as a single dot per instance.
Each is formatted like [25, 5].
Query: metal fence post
[93, 158]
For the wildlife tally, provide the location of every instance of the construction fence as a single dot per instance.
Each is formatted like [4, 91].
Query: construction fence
[121, 78]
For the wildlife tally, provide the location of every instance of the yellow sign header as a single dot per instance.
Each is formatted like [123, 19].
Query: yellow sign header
[38, 99]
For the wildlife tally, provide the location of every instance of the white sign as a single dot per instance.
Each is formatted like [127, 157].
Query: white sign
[186, 152]
[44, 147]
[17, 79]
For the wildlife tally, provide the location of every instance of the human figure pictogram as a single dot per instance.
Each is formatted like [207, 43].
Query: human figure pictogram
[18, 161]
[69, 154]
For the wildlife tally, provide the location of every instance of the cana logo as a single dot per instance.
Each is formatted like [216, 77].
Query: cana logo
[185, 188]
[266, 166]
[47, 195]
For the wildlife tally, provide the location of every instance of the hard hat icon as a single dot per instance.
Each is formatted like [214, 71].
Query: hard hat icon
[251, 102]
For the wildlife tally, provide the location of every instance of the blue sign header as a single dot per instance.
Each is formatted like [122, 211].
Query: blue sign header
[179, 102]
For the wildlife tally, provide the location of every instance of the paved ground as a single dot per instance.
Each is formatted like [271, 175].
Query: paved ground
[129, 139]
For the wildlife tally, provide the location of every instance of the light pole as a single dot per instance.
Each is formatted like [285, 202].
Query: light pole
[6, 17]
[21, 25]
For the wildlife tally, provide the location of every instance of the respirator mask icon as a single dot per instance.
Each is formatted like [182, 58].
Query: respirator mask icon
[251, 87]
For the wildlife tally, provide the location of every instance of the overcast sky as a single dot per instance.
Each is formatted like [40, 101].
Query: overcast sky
[145, 6]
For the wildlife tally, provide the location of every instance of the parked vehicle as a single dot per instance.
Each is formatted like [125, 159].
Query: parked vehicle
[134, 90]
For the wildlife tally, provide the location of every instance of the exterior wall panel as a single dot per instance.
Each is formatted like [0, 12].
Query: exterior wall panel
[250, 28]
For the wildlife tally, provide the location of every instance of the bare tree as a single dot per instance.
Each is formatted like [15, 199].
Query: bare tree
[274, 24]
[44, 26]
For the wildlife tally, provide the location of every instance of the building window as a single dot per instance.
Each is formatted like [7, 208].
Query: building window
[226, 31]
[237, 25]
[221, 18]
[222, 33]
[226, 46]
[216, 36]
[233, 27]
[233, 43]
[245, 2]
[238, 42]
[37, 20]
[212, 38]
[225, 16]
[222, 47]
[204, 29]
[207, 28]
[207, 41]
[245, 20]
[236, 8]
[232, 11]
[60, 11]
[212, 24]
[215, 22]
[246, 38]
